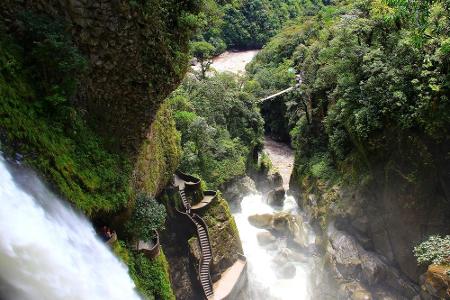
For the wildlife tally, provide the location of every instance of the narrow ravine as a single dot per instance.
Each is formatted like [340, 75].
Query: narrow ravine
[267, 262]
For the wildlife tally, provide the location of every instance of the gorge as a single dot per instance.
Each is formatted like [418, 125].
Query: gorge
[126, 173]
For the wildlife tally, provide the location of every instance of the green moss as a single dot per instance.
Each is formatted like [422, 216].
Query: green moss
[150, 276]
[223, 232]
[160, 155]
[56, 141]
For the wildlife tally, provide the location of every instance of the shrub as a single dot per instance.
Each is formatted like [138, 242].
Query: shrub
[435, 250]
[148, 216]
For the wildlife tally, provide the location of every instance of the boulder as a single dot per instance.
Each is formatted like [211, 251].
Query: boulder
[354, 291]
[276, 197]
[261, 221]
[291, 255]
[373, 269]
[265, 238]
[281, 222]
[238, 189]
[345, 254]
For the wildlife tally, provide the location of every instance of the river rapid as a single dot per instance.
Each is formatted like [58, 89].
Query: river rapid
[266, 261]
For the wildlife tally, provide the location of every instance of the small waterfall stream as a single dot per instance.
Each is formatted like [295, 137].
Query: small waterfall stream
[47, 251]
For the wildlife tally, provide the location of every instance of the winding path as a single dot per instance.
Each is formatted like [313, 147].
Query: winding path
[203, 239]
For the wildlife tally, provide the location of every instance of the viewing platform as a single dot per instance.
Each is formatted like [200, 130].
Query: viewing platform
[232, 281]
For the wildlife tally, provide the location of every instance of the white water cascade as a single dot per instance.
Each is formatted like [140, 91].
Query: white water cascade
[47, 251]
[263, 282]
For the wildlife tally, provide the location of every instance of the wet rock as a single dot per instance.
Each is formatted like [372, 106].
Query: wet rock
[373, 269]
[261, 221]
[345, 254]
[281, 222]
[291, 255]
[265, 238]
[287, 271]
[276, 197]
[355, 291]
[436, 282]
[194, 249]
[238, 189]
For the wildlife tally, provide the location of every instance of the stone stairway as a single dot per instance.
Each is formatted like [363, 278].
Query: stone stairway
[203, 240]
[205, 262]
[186, 204]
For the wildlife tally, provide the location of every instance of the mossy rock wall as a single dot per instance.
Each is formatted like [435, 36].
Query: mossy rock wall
[159, 156]
[224, 236]
[136, 51]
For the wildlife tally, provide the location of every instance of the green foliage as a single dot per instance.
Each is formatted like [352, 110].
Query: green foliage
[246, 24]
[220, 126]
[435, 250]
[151, 277]
[39, 122]
[55, 62]
[148, 216]
[375, 87]
[203, 51]
[160, 154]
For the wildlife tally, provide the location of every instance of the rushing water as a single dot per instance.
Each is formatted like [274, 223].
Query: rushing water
[264, 262]
[47, 251]
[263, 280]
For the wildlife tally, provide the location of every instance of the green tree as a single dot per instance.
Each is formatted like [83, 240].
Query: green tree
[203, 52]
[148, 216]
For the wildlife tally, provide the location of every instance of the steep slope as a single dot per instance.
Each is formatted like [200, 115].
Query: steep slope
[370, 128]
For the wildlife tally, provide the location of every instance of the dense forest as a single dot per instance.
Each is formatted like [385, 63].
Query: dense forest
[371, 115]
[247, 24]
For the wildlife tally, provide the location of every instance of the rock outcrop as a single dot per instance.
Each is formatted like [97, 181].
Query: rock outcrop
[435, 283]
[283, 224]
[238, 188]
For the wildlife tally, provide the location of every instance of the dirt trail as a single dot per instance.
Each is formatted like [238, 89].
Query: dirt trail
[282, 157]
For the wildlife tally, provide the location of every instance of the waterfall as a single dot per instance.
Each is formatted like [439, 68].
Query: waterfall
[48, 251]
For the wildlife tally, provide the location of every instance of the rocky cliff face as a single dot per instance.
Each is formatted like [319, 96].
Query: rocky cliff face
[137, 53]
[374, 228]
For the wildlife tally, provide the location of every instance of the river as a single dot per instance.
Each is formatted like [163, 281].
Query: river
[266, 261]
[231, 61]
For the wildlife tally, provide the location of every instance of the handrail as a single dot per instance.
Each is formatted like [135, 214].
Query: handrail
[188, 178]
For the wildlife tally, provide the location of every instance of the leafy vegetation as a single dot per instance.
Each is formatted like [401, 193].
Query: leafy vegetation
[151, 276]
[160, 154]
[220, 127]
[148, 216]
[375, 88]
[435, 250]
[38, 120]
[247, 24]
